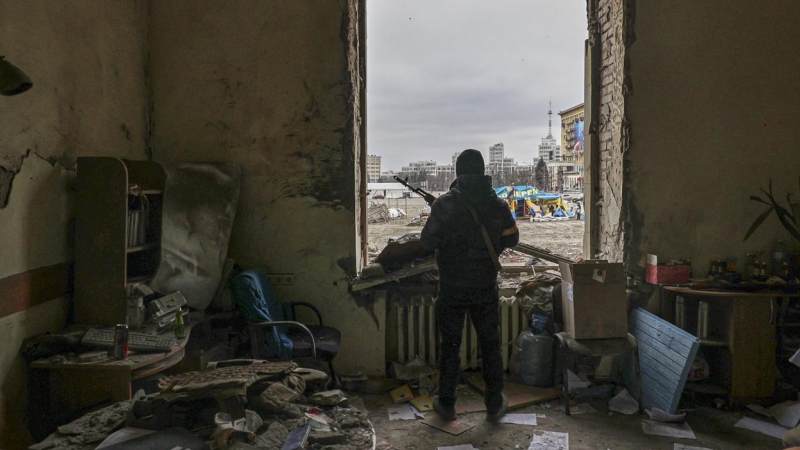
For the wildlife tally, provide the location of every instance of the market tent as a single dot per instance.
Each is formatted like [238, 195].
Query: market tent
[524, 192]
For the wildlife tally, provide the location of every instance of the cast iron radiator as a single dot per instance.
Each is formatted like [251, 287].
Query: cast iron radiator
[411, 332]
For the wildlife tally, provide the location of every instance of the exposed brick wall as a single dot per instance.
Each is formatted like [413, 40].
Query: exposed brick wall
[351, 30]
[614, 18]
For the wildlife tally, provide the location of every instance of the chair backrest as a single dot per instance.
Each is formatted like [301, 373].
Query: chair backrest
[253, 294]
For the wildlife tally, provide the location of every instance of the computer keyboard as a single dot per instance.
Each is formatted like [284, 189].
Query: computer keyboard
[137, 342]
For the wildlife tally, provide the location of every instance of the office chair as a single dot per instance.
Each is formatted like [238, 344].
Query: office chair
[274, 333]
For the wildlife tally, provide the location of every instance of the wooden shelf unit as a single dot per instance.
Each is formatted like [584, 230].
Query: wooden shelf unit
[104, 262]
[742, 351]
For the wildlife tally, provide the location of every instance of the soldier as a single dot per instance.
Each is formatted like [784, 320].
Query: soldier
[468, 278]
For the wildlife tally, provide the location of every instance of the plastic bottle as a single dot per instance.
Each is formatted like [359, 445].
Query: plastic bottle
[179, 328]
[532, 359]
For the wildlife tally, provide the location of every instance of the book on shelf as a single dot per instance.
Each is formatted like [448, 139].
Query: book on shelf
[137, 228]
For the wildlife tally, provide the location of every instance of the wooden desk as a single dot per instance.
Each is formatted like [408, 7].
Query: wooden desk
[59, 390]
[742, 344]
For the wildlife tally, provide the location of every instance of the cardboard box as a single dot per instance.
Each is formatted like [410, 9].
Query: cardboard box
[593, 298]
[663, 274]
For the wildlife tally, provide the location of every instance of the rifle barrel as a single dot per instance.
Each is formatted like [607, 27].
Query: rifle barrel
[542, 253]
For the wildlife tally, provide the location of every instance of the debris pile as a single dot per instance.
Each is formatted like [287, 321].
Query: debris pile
[513, 256]
[421, 219]
[240, 404]
[377, 213]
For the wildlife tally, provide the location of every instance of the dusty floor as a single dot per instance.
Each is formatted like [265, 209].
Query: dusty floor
[601, 430]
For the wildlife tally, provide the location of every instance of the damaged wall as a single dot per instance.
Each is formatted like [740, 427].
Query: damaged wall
[614, 23]
[713, 116]
[87, 62]
[269, 86]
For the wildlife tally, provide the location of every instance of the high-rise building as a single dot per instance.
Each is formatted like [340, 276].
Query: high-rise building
[373, 168]
[549, 150]
[496, 154]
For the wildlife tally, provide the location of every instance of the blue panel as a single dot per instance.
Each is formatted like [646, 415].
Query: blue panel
[666, 354]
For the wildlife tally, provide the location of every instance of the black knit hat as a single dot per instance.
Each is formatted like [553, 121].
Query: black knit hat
[469, 162]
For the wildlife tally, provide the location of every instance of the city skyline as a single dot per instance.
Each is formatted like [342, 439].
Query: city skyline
[435, 89]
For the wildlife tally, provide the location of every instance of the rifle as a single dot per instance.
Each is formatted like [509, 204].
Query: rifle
[521, 247]
[429, 198]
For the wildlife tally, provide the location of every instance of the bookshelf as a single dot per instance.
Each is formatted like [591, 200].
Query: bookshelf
[118, 234]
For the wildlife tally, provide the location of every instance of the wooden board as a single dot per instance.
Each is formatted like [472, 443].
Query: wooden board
[752, 346]
[519, 395]
[666, 354]
[454, 427]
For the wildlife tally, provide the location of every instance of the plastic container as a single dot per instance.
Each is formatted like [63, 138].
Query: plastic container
[538, 323]
[780, 255]
[532, 359]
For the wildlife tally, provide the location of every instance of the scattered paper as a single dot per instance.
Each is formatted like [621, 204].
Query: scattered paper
[659, 415]
[758, 409]
[457, 447]
[770, 429]
[401, 394]
[575, 382]
[682, 431]
[423, 403]
[519, 419]
[787, 413]
[688, 447]
[624, 403]
[123, 435]
[454, 427]
[550, 440]
[795, 359]
[401, 412]
[580, 408]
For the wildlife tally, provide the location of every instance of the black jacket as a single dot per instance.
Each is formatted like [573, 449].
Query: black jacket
[461, 252]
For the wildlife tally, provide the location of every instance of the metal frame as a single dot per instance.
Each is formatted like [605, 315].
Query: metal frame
[260, 325]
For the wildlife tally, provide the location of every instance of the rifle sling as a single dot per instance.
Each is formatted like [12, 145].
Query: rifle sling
[486, 239]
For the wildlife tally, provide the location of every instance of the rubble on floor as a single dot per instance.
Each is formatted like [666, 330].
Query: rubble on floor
[256, 405]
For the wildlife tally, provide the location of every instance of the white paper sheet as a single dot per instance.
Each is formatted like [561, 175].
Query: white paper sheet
[550, 440]
[401, 412]
[624, 403]
[688, 447]
[795, 359]
[519, 419]
[575, 382]
[123, 435]
[787, 413]
[683, 430]
[659, 415]
[770, 429]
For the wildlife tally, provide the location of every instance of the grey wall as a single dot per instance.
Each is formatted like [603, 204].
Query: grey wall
[713, 115]
[268, 85]
[87, 62]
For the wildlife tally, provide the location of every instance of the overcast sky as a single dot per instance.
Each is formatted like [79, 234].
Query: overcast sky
[445, 75]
